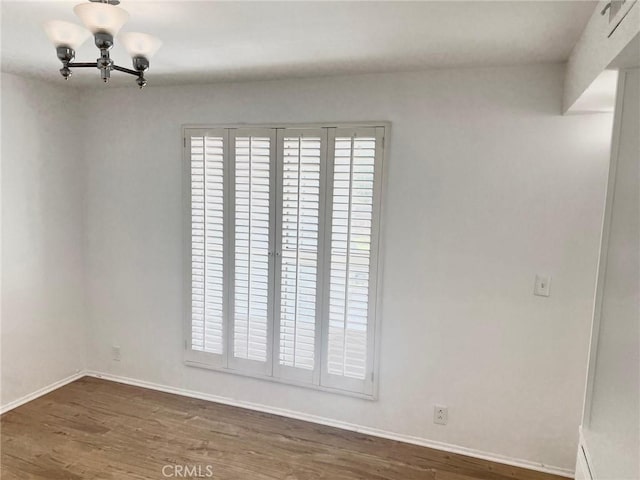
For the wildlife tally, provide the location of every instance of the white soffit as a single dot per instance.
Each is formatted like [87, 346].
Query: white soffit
[600, 96]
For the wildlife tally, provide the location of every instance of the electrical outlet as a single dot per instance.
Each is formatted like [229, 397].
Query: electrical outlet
[115, 353]
[440, 414]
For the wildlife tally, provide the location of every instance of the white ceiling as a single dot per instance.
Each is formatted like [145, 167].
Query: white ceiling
[206, 41]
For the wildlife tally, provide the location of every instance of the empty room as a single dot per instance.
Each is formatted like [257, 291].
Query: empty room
[300, 240]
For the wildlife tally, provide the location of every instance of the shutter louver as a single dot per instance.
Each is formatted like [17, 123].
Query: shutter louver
[351, 240]
[301, 158]
[207, 213]
[252, 231]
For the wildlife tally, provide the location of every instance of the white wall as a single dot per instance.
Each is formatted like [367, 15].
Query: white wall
[612, 423]
[43, 316]
[488, 185]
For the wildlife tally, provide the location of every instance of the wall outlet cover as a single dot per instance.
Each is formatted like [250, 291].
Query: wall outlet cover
[115, 353]
[440, 414]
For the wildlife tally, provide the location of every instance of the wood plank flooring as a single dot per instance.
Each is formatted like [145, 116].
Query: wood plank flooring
[96, 429]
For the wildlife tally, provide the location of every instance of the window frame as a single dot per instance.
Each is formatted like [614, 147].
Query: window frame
[319, 379]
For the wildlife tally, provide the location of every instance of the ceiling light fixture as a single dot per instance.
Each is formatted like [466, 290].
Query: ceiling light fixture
[103, 19]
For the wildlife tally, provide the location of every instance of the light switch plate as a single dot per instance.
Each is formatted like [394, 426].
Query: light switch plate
[543, 286]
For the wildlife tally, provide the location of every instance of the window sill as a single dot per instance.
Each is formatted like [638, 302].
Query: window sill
[348, 393]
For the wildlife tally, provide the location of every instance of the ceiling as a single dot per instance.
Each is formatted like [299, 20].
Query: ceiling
[207, 41]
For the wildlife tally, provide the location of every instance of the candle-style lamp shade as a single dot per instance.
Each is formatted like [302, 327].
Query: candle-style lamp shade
[65, 34]
[101, 17]
[140, 44]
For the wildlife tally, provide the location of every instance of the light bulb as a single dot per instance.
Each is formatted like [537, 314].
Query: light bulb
[101, 17]
[140, 44]
[66, 34]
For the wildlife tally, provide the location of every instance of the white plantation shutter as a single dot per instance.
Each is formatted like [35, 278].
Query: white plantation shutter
[282, 237]
[301, 165]
[198, 240]
[354, 180]
[207, 241]
[253, 217]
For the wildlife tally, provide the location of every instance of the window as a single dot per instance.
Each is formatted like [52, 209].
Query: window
[282, 252]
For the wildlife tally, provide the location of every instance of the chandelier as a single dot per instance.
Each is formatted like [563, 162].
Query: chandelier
[103, 19]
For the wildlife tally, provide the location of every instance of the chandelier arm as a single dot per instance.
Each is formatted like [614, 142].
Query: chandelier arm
[127, 70]
[67, 66]
[82, 64]
[95, 65]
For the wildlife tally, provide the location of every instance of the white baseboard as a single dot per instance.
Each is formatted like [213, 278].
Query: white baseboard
[339, 424]
[40, 392]
[584, 450]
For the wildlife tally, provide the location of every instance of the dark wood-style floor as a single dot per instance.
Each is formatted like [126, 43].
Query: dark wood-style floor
[96, 429]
